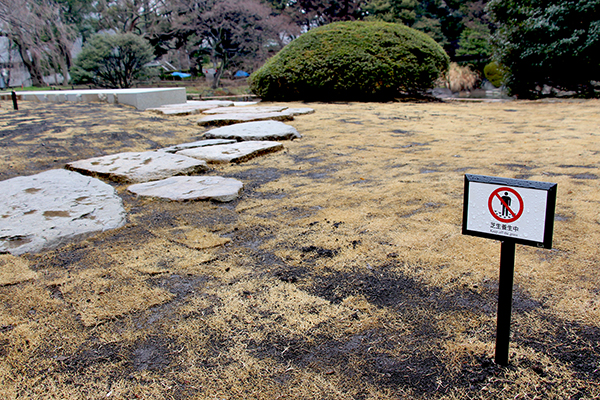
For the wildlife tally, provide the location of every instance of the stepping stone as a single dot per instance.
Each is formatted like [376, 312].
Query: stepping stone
[244, 110]
[229, 119]
[139, 167]
[52, 208]
[199, 143]
[237, 152]
[299, 111]
[259, 130]
[191, 107]
[214, 103]
[244, 103]
[181, 188]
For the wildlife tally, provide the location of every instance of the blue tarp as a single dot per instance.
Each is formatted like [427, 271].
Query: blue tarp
[181, 74]
[241, 74]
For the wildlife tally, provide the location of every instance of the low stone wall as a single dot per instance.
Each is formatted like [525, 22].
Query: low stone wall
[138, 98]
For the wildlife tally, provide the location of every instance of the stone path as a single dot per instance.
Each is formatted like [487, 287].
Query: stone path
[181, 188]
[137, 167]
[54, 207]
[236, 152]
[259, 130]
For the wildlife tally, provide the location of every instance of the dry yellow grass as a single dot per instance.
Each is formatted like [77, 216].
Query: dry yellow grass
[459, 78]
[341, 272]
[14, 270]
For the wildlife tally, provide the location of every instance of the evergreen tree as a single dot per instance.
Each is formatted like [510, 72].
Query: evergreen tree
[548, 42]
[112, 61]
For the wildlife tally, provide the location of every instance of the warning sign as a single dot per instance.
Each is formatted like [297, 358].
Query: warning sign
[506, 204]
[515, 209]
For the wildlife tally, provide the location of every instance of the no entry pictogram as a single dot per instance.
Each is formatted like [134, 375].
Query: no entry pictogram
[506, 204]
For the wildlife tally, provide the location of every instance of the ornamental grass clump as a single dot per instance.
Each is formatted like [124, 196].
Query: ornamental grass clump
[352, 61]
[459, 78]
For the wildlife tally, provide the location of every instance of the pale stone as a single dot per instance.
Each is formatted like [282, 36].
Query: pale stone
[181, 110]
[139, 166]
[258, 130]
[229, 119]
[236, 152]
[213, 103]
[199, 143]
[244, 103]
[191, 107]
[245, 110]
[181, 188]
[54, 207]
[299, 111]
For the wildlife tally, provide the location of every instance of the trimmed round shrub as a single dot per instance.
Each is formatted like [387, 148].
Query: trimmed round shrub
[352, 61]
[494, 73]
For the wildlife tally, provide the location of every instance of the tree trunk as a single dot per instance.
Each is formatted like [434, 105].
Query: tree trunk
[65, 62]
[64, 72]
[218, 74]
[32, 64]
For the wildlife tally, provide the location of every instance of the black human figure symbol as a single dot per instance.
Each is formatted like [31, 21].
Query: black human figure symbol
[506, 204]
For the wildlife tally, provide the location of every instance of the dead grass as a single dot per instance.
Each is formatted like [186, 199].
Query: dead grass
[459, 78]
[341, 272]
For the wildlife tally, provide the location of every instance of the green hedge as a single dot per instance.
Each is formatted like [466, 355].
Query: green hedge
[351, 61]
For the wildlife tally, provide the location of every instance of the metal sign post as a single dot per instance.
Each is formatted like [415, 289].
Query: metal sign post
[505, 287]
[512, 211]
[13, 95]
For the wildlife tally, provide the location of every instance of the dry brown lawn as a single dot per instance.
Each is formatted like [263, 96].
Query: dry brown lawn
[340, 273]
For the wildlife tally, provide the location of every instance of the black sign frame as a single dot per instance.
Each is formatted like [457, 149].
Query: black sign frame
[551, 188]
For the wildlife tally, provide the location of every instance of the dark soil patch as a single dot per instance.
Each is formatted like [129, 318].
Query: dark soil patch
[584, 176]
[92, 353]
[319, 251]
[577, 166]
[574, 344]
[180, 285]
[518, 167]
[356, 358]
[153, 354]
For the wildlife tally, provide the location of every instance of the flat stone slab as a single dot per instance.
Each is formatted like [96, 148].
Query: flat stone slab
[229, 119]
[299, 111]
[135, 167]
[52, 208]
[182, 188]
[191, 107]
[245, 110]
[199, 143]
[236, 152]
[258, 130]
[141, 99]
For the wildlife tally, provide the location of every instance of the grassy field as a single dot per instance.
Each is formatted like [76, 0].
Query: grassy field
[340, 273]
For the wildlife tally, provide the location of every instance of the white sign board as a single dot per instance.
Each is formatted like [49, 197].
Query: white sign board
[509, 209]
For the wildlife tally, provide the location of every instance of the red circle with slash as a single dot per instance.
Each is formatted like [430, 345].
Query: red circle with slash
[513, 216]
